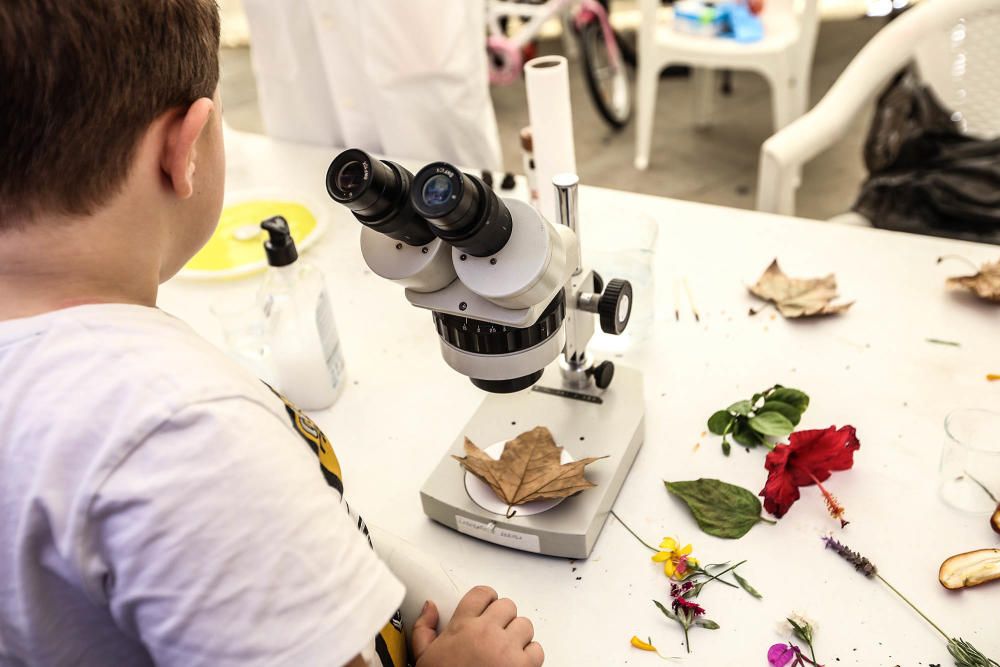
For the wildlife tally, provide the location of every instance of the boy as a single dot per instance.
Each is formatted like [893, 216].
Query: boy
[157, 504]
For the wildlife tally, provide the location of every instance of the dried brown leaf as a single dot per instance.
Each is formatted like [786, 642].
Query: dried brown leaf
[529, 469]
[985, 284]
[797, 297]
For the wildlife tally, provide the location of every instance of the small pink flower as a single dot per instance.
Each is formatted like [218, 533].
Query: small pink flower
[685, 604]
[780, 655]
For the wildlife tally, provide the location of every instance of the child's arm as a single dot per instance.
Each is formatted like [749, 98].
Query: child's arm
[217, 541]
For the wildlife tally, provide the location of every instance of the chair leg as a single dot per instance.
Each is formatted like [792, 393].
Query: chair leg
[646, 84]
[703, 80]
[802, 81]
[783, 100]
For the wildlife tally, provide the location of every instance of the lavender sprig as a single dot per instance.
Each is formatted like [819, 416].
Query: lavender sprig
[964, 653]
[860, 563]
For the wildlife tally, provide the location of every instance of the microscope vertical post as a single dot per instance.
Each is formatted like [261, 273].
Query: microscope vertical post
[567, 204]
[579, 328]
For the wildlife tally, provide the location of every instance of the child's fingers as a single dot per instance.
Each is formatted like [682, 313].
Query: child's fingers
[475, 602]
[536, 656]
[424, 629]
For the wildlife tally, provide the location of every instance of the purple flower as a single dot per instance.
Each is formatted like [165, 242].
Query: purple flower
[780, 655]
[681, 590]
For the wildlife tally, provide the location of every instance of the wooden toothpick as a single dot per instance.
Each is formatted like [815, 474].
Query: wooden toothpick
[694, 308]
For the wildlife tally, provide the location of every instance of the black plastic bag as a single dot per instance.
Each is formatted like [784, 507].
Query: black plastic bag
[925, 176]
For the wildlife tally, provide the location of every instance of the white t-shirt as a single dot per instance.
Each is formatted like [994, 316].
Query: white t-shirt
[158, 505]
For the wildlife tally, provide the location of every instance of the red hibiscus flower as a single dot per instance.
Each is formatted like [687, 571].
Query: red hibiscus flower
[809, 458]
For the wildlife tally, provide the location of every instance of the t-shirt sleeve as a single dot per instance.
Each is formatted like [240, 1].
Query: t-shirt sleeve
[218, 542]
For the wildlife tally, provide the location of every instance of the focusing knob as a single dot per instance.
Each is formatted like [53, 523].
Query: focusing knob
[598, 283]
[615, 306]
[602, 373]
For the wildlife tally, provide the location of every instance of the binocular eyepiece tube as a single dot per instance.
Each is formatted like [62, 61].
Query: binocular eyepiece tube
[439, 202]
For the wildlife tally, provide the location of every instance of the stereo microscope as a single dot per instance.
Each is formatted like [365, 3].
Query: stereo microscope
[514, 307]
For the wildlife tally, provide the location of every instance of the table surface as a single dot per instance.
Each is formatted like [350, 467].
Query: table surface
[872, 368]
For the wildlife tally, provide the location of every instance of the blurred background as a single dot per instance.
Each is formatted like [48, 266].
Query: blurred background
[716, 164]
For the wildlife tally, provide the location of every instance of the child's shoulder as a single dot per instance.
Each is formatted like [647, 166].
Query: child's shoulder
[117, 358]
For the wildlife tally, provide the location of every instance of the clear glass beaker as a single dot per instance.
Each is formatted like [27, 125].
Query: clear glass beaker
[243, 334]
[970, 460]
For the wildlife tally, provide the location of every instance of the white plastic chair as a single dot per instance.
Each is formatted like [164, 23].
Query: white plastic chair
[784, 57]
[956, 46]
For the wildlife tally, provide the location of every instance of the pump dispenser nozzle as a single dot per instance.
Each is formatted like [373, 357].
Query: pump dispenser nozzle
[280, 247]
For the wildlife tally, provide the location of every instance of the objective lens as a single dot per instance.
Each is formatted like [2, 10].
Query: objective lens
[461, 209]
[378, 193]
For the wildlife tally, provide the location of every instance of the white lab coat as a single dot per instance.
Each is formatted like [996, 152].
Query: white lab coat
[406, 78]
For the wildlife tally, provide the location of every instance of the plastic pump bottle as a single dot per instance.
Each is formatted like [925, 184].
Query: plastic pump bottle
[306, 358]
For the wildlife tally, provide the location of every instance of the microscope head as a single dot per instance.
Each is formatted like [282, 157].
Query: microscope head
[494, 273]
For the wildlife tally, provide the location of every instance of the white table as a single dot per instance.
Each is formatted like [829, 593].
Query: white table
[871, 368]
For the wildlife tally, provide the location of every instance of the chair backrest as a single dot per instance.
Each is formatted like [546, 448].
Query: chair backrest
[961, 64]
[806, 11]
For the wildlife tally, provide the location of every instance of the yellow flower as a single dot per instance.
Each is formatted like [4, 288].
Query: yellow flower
[648, 646]
[677, 561]
[644, 646]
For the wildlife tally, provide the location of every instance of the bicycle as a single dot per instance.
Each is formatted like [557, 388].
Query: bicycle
[604, 65]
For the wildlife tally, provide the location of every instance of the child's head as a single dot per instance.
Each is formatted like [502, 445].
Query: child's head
[111, 105]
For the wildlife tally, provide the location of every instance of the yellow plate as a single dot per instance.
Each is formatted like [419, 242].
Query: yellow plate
[236, 248]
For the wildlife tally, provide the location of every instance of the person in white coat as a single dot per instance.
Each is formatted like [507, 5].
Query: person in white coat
[404, 78]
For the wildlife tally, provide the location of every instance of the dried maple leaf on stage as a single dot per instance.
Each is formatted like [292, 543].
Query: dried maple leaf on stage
[796, 297]
[529, 469]
[985, 284]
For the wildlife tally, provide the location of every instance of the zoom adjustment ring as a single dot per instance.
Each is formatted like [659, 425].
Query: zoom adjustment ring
[480, 337]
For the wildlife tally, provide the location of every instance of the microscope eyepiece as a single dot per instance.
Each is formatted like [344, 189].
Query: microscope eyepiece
[463, 210]
[378, 193]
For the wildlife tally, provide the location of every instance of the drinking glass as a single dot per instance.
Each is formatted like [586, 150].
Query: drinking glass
[243, 333]
[970, 460]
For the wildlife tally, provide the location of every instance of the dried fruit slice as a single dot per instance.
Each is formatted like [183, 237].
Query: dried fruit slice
[970, 569]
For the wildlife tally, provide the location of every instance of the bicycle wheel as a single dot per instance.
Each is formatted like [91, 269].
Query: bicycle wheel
[607, 77]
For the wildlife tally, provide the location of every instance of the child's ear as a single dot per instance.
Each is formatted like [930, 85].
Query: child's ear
[179, 154]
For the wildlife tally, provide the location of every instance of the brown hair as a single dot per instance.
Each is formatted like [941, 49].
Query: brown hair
[80, 82]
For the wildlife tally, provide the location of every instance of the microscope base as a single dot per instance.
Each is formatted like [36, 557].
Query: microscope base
[590, 422]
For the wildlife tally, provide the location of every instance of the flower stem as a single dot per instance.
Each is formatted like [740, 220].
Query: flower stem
[766, 520]
[913, 606]
[959, 258]
[687, 642]
[641, 541]
[716, 576]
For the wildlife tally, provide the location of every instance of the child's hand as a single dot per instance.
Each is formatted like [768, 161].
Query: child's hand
[484, 632]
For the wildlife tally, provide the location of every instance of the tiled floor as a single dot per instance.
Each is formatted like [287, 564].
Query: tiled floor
[717, 165]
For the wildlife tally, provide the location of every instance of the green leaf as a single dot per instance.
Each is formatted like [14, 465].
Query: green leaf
[726, 447]
[706, 623]
[721, 509]
[789, 411]
[666, 612]
[741, 408]
[745, 435]
[720, 422]
[771, 423]
[792, 397]
[746, 585]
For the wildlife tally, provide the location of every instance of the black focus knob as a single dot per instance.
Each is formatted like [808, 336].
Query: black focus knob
[615, 306]
[603, 373]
